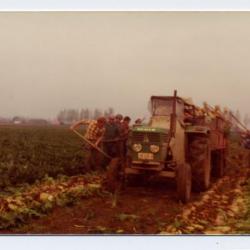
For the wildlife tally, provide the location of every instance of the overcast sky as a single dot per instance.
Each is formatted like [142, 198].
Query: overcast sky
[55, 60]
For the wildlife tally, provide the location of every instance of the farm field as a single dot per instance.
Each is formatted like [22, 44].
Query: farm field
[30, 153]
[45, 190]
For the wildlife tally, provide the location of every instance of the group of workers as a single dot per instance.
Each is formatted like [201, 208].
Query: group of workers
[110, 134]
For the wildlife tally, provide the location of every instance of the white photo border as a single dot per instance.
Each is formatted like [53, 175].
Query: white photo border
[125, 242]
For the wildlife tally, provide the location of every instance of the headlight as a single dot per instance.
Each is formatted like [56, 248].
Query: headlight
[137, 147]
[154, 148]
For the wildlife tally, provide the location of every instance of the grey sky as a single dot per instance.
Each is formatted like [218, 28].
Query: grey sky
[55, 60]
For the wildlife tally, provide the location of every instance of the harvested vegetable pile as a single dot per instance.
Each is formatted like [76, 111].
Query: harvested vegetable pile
[216, 212]
[28, 201]
[223, 205]
[243, 225]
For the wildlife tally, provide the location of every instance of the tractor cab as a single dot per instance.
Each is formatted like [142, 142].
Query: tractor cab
[165, 109]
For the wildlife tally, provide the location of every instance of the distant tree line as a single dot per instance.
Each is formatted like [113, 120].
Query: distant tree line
[67, 116]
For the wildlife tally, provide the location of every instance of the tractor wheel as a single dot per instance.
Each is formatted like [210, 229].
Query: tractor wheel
[219, 164]
[200, 160]
[184, 182]
[112, 181]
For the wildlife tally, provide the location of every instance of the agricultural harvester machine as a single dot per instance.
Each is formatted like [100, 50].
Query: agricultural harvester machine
[180, 142]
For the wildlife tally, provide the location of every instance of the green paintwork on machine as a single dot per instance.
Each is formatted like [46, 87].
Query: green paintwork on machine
[147, 145]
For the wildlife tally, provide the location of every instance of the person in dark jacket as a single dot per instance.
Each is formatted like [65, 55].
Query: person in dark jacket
[124, 132]
[111, 137]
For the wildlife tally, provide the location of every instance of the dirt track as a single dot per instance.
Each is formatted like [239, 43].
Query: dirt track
[150, 209]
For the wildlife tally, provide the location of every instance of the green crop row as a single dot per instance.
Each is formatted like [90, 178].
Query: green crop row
[30, 153]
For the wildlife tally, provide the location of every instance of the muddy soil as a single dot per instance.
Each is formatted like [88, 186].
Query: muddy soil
[150, 208]
[139, 209]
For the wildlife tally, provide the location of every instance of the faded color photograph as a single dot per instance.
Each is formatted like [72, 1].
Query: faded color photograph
[119, 122]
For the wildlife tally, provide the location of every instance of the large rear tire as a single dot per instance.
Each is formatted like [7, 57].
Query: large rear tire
[200, 160]
[184, 182]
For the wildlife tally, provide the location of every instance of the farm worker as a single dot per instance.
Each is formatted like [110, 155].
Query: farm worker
[113, 169]
[118, 120]
[94, 134]
[111, 137]
[124, 132]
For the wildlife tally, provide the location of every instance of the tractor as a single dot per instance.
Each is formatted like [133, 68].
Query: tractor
[178, 143]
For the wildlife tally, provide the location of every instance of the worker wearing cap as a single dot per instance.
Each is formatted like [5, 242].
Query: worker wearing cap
[94, 134]
[111, 137]
[118, 119]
